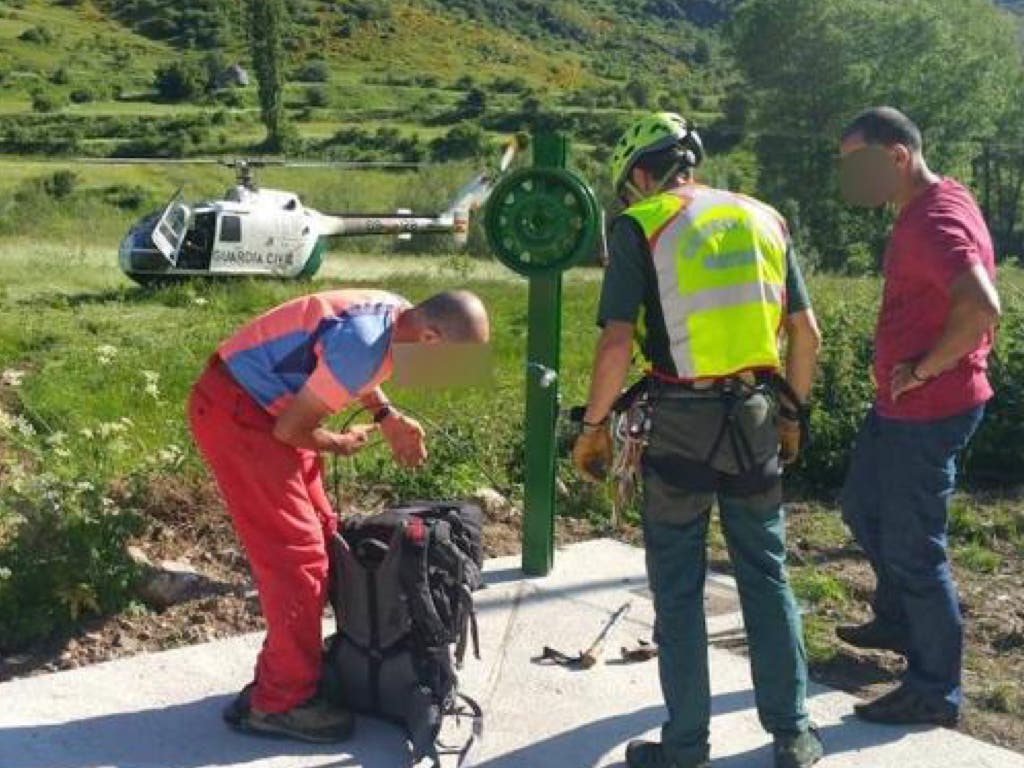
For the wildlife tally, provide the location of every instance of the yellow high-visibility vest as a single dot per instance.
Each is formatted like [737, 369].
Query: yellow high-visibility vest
[720, 260]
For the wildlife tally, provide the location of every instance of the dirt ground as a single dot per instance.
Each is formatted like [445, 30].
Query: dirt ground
[188, 525]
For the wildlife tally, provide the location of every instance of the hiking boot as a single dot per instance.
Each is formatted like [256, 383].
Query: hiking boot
[874, 635]
[314, 721]
[906, 707]
[235, 712]
[651, 754]
[798, 750]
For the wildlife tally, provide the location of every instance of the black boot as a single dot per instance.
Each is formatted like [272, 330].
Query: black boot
[651, 754]
[906, 707]
[875, 635]
[236, 712]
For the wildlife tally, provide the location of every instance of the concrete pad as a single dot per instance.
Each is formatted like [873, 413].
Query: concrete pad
[162, 710]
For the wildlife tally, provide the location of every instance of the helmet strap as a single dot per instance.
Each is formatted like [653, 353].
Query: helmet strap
[674, 171]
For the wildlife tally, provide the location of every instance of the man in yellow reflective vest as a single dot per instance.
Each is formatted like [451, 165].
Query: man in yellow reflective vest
[708, 280]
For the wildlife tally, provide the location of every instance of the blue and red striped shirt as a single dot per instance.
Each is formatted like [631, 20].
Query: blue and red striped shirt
[336, 344]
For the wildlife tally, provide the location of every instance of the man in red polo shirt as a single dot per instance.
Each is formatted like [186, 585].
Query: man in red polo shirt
[932, 341]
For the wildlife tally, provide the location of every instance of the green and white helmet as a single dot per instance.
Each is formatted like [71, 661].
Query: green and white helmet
[654, 132]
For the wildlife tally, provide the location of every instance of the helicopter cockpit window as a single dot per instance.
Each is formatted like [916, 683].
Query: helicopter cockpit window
[230, 229]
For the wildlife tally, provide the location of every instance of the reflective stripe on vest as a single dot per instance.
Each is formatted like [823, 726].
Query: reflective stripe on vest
[720, 260]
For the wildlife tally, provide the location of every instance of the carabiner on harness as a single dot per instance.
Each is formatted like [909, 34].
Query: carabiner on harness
[632, 427]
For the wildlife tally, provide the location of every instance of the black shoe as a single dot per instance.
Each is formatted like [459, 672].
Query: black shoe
[651, 754]
[235, 713]
[905, 707]
[315, 721]
[874, 635]
[798, 750]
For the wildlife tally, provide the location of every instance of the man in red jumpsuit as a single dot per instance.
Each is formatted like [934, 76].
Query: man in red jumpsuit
[256, 414]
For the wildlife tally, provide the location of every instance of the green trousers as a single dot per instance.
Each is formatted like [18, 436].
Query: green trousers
[676, 548]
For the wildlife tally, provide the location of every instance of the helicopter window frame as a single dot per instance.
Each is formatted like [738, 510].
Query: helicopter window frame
[230, 228]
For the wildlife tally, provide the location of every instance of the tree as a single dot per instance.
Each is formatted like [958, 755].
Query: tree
[464, 141]
[266, 32]
[472, 105]
[181, 80]
[812, 65]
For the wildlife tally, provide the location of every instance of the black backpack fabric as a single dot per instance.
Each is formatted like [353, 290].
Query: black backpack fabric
[402, 588]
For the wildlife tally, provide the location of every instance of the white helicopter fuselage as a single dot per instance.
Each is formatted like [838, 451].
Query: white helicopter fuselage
[262, 232]
[268, 233]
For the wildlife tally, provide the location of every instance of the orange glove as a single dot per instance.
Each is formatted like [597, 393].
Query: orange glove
[789, 439]
[592, 453]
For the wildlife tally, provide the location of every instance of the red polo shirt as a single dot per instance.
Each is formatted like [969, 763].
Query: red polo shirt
[938, 236]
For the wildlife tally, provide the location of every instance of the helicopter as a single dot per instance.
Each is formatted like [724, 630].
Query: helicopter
[258, 232]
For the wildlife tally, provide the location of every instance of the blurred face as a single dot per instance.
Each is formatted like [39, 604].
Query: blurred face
[871, 175]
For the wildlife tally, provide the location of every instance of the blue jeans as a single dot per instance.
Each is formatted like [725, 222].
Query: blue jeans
[896, 503]
[676, 565]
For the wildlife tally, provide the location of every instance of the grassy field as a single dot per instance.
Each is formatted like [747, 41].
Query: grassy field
[94, 377]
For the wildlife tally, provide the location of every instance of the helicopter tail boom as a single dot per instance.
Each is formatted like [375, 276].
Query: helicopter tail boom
[384, 224]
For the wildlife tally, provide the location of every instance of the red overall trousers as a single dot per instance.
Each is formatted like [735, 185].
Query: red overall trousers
[275, 496]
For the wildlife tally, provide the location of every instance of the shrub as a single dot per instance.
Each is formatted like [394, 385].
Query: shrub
[63, 556]
[45, 101]
[318, 97]
[464, 141]
[81, 96]
[179, 81]
[314, 72]
[37, 35]
[61, 184]
[60, 76]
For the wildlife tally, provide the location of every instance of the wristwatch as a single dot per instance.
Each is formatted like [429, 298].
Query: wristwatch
[382, 413]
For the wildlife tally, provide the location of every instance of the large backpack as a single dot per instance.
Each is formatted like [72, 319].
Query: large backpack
[401, 588]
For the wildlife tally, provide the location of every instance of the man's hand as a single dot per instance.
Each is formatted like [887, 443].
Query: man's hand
[905, 379]
[353, 440]
[789, 439]
[592, 453]
[405, 436]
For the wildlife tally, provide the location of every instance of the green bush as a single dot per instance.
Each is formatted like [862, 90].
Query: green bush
[37, 35]
[843, 391]
[61, 184]
[63, 556]
[181, 80]
[318, 97]
[314, 72]
[45, 101]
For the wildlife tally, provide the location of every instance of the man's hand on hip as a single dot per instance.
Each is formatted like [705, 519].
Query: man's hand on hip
[406, 438]
[592, 453]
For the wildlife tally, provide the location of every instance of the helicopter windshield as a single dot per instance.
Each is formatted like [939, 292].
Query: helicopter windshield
[171, 228]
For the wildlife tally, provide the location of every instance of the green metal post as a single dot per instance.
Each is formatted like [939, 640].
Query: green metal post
[542, 353]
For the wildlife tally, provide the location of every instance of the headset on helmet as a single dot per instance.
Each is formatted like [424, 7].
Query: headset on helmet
[653, 133]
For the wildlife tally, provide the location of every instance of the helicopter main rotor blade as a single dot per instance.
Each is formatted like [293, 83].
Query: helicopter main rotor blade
[355, 164]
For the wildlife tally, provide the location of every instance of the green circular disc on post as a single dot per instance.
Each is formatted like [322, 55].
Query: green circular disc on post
[542, 220]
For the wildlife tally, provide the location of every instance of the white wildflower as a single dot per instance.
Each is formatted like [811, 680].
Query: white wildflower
[56, 439]
[12, 377]
[105, 354]
[152, 387]
[170, 455]
[87, 433]
[24, 426]
[108, 429]
[6, 421]
[199, 301]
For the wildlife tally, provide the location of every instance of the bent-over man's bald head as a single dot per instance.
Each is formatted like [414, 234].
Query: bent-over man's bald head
[454, 317]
